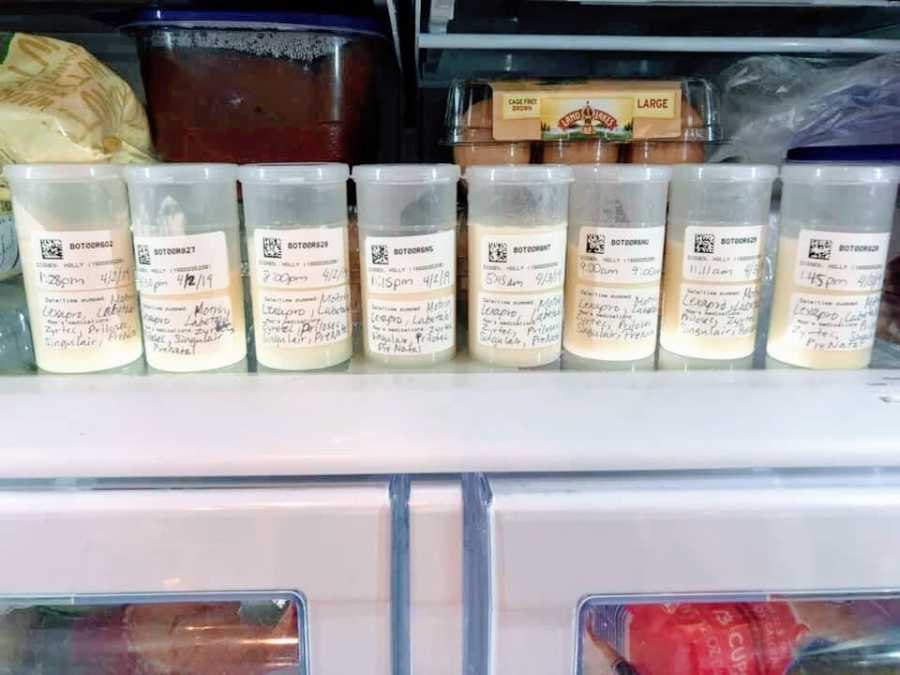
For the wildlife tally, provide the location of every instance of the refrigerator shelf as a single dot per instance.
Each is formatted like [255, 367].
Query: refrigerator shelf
[661, 43]
[359, 424]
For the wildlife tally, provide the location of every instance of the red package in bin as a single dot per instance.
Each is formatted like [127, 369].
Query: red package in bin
[728, 638]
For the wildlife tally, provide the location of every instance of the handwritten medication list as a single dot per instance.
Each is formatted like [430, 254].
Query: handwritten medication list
[170, 271]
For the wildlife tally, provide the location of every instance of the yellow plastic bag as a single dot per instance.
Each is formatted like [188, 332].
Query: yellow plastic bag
[60, 104]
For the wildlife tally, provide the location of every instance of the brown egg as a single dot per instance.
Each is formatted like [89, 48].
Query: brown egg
[580, 152]
[674, 151]
[491, 153]
[665, 152]
[477, 145]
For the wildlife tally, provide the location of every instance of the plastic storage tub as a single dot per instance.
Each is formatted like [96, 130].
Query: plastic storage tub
[581, 122]
[262, 87]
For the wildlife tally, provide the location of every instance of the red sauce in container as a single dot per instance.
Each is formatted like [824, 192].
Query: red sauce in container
[252, 93]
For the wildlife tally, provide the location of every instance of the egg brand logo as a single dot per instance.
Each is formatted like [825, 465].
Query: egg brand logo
[588, 117]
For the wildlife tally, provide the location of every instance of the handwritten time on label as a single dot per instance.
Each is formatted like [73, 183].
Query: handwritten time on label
[301, 258]
[833, 323]
[410, 264]
[182, 265]
[719, 311]
[304, 319]
[840, 261]
[624, 255]
[89, 260]
[519, 322]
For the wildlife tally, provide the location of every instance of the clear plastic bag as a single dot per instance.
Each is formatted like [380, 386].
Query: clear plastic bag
[773, 103]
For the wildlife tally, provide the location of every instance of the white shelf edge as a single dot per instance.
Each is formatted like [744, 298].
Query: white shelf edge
[340, 424]
[644, 43]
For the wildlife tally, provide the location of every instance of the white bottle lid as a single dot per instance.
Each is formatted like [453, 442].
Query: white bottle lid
[621, 173]
[297, 173]
[62, 173]
[846, 174]
[180, 173]
[732, 173]
[406, 174]
[520, 173]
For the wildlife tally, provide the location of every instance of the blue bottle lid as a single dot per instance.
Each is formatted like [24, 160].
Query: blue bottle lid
[277, 21]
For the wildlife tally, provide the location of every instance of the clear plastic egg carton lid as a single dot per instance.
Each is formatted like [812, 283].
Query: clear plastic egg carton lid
[610, 111]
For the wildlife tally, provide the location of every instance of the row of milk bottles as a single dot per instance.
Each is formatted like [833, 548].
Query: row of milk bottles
[603, 261]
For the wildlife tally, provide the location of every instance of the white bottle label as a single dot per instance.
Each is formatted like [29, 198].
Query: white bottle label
[86, 284]
[513, 321]
[630, 315]
[300, 258]
[304, 318]
[414, 264]
[723, 254]
[719, 311]
[182, 264]
[833, 322]
[400, 328]
[841, 261]
[82, 261]
[523, 262]
[620, 255]
[9, 247]
[186, 327]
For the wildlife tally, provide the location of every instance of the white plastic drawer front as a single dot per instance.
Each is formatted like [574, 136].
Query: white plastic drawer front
[327, 544]
[555, 542]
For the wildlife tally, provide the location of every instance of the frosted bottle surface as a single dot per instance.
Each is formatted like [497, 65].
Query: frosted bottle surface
[713, 261]
[407, 250]
[835, 228]
[78, 266]
[188, 263]
[297, 243]
[517, 263]
[615, 253]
